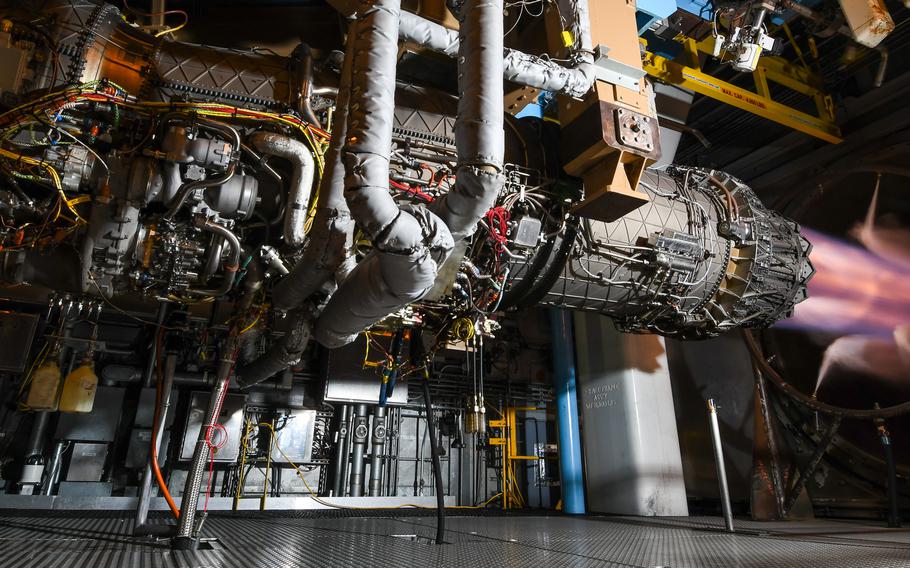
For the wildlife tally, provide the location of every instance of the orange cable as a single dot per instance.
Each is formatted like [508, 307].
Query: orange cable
[162, 486]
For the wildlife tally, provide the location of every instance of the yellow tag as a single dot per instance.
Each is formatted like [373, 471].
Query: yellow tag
[568, 38]
[78, 200]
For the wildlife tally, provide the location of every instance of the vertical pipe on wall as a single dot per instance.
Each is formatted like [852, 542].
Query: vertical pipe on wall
[570, 465]
[359, 432]
[376, 455]
[341, 447]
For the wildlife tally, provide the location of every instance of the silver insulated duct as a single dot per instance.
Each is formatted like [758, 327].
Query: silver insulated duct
[517, 67]
[409, 242]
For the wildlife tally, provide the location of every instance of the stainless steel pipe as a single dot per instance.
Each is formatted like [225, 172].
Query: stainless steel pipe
[190, 500]
[721, 469]
[377, 451]
[341, 447]
[145, 492]
[359, 433]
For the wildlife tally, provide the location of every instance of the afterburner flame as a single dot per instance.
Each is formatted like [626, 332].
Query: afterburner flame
[853, 292]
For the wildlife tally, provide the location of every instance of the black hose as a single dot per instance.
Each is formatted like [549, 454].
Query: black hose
[811, 402]
[437, 469]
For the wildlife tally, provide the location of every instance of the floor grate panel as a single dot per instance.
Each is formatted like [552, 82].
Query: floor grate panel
[270, 541]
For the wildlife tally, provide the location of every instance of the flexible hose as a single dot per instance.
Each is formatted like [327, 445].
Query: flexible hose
[437, 469]
[772, 375]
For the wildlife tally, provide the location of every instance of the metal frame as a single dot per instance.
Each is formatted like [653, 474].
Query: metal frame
[689, 75]
[508, 441]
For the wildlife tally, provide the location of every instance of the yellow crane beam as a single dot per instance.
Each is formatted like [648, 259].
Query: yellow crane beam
[690, 76]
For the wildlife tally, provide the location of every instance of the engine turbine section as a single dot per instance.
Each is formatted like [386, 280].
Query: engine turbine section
[703, 256]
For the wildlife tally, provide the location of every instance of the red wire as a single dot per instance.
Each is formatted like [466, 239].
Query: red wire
[212, 448]
[498, 219]
[208, 439]
[412, 190]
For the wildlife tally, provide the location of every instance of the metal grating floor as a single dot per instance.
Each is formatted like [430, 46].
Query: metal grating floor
[269, 541]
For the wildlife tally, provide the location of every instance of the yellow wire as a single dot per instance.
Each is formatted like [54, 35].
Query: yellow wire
[170, 30]
[254, 322]
[205, 109]
[55, 177]
[39, 359]
[244, 449]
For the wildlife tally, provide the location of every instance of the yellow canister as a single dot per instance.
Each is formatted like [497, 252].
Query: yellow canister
[44, 388]
[79, 389]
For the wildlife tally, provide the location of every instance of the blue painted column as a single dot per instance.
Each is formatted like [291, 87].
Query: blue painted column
[570, 464]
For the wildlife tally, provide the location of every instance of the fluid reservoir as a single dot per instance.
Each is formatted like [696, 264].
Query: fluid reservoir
[45, 387]
[79, 389]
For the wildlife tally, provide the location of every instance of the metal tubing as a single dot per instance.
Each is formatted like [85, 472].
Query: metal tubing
[230, 267]
[184, 539]
[36, 439]
[298, 200]
[721, 469]
[570, 464]
[148, 374]
[53, 470]
[145, 493]
[340, 447]
[332, 232]
[359, 434]
[346, 457]
[376, 452]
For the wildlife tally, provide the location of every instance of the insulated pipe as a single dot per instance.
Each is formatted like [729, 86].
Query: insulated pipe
[571, 481]
[479, 124]
[298, 199]
[330, 238]
[409, 242]
[145, 493]
[518, 67]
[377, 451]
[190, 500]
[332, 231]
[359, 434]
